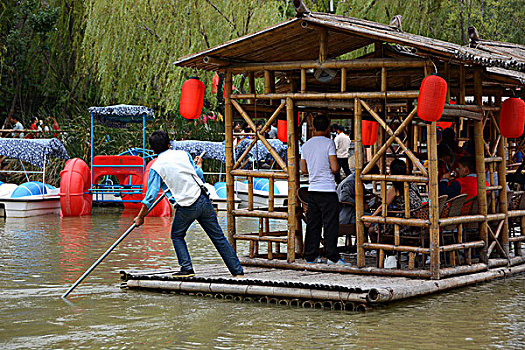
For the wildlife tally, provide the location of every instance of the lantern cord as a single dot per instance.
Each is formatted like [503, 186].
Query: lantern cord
[435, 67]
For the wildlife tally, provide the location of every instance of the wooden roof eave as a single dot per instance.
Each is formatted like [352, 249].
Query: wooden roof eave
[434, 46]
[196, 60]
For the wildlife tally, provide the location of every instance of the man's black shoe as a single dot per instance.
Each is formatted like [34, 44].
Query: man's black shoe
[184, 273]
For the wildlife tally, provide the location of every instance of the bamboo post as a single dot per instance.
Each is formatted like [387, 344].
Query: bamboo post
[480, 165]
[323, 44]
[228, 140]
[303, 81]
[343, 79]
[292, 186]
[462, 92]
[250, 193]
[359, 200]
[433, 200]
[251, 85]
[502, 181]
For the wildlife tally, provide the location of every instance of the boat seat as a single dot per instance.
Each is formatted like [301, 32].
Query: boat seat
[119, 166]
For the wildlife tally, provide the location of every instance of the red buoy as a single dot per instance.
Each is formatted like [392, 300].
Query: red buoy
[369, 130]
[282, 130]
[512, 117]
[432, 96]
[192, 98]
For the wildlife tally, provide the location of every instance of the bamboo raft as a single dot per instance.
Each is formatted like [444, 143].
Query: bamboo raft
[305, 288]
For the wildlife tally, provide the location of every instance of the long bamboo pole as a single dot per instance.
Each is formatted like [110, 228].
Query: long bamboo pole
[110, 249]
[480, 165]
[292, 186]
[359, 200]
[228, 141]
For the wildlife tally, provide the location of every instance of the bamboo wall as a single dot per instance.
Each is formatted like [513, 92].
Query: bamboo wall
[491, 153]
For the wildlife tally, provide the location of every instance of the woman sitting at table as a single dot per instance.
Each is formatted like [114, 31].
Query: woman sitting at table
[395, 198]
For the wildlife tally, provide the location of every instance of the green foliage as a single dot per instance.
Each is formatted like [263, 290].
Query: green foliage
[58, 57]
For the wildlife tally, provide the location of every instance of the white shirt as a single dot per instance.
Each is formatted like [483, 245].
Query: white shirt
[178, 174]
[342, 143]
[316, 152]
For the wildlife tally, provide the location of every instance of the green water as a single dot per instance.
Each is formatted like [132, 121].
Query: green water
[41, 257]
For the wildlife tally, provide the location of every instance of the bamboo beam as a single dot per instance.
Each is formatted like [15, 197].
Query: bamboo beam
[395, 221]
[396, 248]
[408, 152]
[359, 202]
[292, 186]
[264, 174]
[433, 199]
[355, 64]
[331, 95]
[480, 165]
[228, 141]
[461, 246]
[406, 178]
[259, 214]
[464, 219]
[248, 120]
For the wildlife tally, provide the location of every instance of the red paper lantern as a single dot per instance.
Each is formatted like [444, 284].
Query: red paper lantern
[282, 130]
[192, 98]
[512, 117]
[432, 96]
[369, 130]
[215, 83]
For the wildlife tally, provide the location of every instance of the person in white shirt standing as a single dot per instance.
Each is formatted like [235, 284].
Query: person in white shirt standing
[318, 159]
[342, 143]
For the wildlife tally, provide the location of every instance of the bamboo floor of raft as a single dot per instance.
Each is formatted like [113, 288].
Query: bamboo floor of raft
[302, 287]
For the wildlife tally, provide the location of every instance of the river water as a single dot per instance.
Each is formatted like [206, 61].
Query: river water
[41, 257]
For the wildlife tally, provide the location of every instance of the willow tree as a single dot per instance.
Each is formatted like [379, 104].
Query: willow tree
[130, 46]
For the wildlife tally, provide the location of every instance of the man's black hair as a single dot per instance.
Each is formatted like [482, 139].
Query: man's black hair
[443, 150]
[321, 122]
[340, 128]
[159, 141]
[469, 162]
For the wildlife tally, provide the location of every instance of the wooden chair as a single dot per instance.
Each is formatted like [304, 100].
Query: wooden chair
[420, 238]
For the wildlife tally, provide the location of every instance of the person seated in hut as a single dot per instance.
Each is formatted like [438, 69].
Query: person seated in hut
[465, 181]
[346, 193]
[395, 199]
[449, 139]
[447, 161]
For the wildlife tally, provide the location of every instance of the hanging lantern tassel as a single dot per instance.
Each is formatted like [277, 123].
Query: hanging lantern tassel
[512, 117]
[192, 98]
[369, 129]
[432, 96]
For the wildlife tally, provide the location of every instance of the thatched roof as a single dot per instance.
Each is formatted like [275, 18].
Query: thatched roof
[297, 39]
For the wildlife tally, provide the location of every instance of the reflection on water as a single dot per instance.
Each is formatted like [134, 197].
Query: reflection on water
[41, 257]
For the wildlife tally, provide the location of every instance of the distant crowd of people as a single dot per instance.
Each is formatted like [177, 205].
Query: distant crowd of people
[37, 129]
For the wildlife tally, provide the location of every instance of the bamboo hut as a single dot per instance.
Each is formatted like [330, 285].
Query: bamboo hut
[381, 84]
